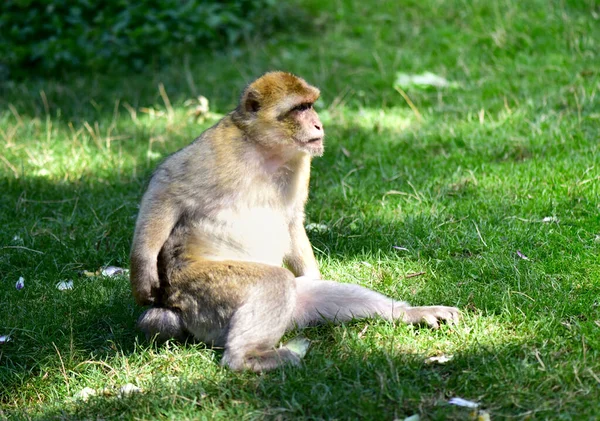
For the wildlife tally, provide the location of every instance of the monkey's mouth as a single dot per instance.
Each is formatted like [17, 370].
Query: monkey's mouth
[311, 143]
[313, 146]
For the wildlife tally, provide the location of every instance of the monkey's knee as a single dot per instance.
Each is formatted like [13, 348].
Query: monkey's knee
[162, 324]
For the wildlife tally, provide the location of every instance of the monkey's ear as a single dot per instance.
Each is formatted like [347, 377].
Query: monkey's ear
[251, 101]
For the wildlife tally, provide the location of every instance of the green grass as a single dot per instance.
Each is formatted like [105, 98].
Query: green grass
[462, 181]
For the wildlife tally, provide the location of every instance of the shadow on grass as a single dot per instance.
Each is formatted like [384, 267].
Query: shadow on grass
[67, 227]
[83, 226]
[333, 383]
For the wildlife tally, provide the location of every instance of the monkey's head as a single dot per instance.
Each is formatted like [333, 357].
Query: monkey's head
[276, 111]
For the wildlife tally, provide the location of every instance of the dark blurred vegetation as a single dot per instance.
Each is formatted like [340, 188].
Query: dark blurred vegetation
[53, 36]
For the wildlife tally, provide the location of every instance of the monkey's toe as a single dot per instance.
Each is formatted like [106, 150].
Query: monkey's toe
[432, 315]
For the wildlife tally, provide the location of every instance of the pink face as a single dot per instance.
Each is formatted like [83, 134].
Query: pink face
[309, 131]
[276, 110]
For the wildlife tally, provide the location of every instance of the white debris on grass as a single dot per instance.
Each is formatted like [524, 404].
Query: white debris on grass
[111, 271]
[128, 390]
[4, 339]
[153, 155]
[320, 228]
[521, 255]
[64, 285]
[20, 283]
[298, 345]
[423, 80]
[439, 359]
[85, 394]
[463, 402]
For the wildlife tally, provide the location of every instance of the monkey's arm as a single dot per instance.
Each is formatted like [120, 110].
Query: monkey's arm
[156, 219]
[301, 259]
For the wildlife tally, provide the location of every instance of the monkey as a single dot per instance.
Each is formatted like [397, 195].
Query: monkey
[220, 251]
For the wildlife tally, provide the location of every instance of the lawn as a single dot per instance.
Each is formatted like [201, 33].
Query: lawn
[484, 194]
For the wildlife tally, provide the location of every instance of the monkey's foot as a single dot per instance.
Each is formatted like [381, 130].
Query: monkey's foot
[431, 315]
[290, 353]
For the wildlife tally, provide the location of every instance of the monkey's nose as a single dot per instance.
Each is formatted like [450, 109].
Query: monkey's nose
[318, 127]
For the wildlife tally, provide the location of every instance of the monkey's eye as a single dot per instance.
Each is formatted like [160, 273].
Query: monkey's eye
[303, 107]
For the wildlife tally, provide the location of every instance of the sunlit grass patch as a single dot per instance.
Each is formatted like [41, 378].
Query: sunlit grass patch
[484, 196]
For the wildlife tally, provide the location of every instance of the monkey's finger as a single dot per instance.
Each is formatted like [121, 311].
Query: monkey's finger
[431, 320]
[452, 315]
[455, 316]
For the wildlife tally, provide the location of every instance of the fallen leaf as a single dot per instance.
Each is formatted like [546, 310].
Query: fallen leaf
[320, 228]
[412, 275]
[521, 255]
[483, 416]
[439, 359]
[200, 108]
[298, 345]
[153, 155]
[128, 390]
[105, 391]
[362, 332]
[463, 402]
[111, 271]
[85, 394]
[423, 80]
[90, 274]
[63, 285]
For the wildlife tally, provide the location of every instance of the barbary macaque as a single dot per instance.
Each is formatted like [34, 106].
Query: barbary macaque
[219, 219]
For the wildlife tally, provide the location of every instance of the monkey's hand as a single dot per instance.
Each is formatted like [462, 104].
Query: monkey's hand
[144, 283]
[431, 315]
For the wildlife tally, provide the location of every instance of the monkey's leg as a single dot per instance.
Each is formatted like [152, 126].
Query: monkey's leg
[259, 323]
[244, 307]
[327, 300]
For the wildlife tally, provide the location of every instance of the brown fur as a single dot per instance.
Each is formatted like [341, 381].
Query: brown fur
[223, 214]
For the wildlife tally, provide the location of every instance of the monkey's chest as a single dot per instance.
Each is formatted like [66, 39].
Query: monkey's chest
[251, 234]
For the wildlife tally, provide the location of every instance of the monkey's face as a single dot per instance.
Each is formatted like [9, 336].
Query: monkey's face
[276, 111]
[292, 129]
[306, 131]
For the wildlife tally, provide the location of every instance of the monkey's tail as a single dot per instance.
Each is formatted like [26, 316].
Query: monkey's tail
[161, 324]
